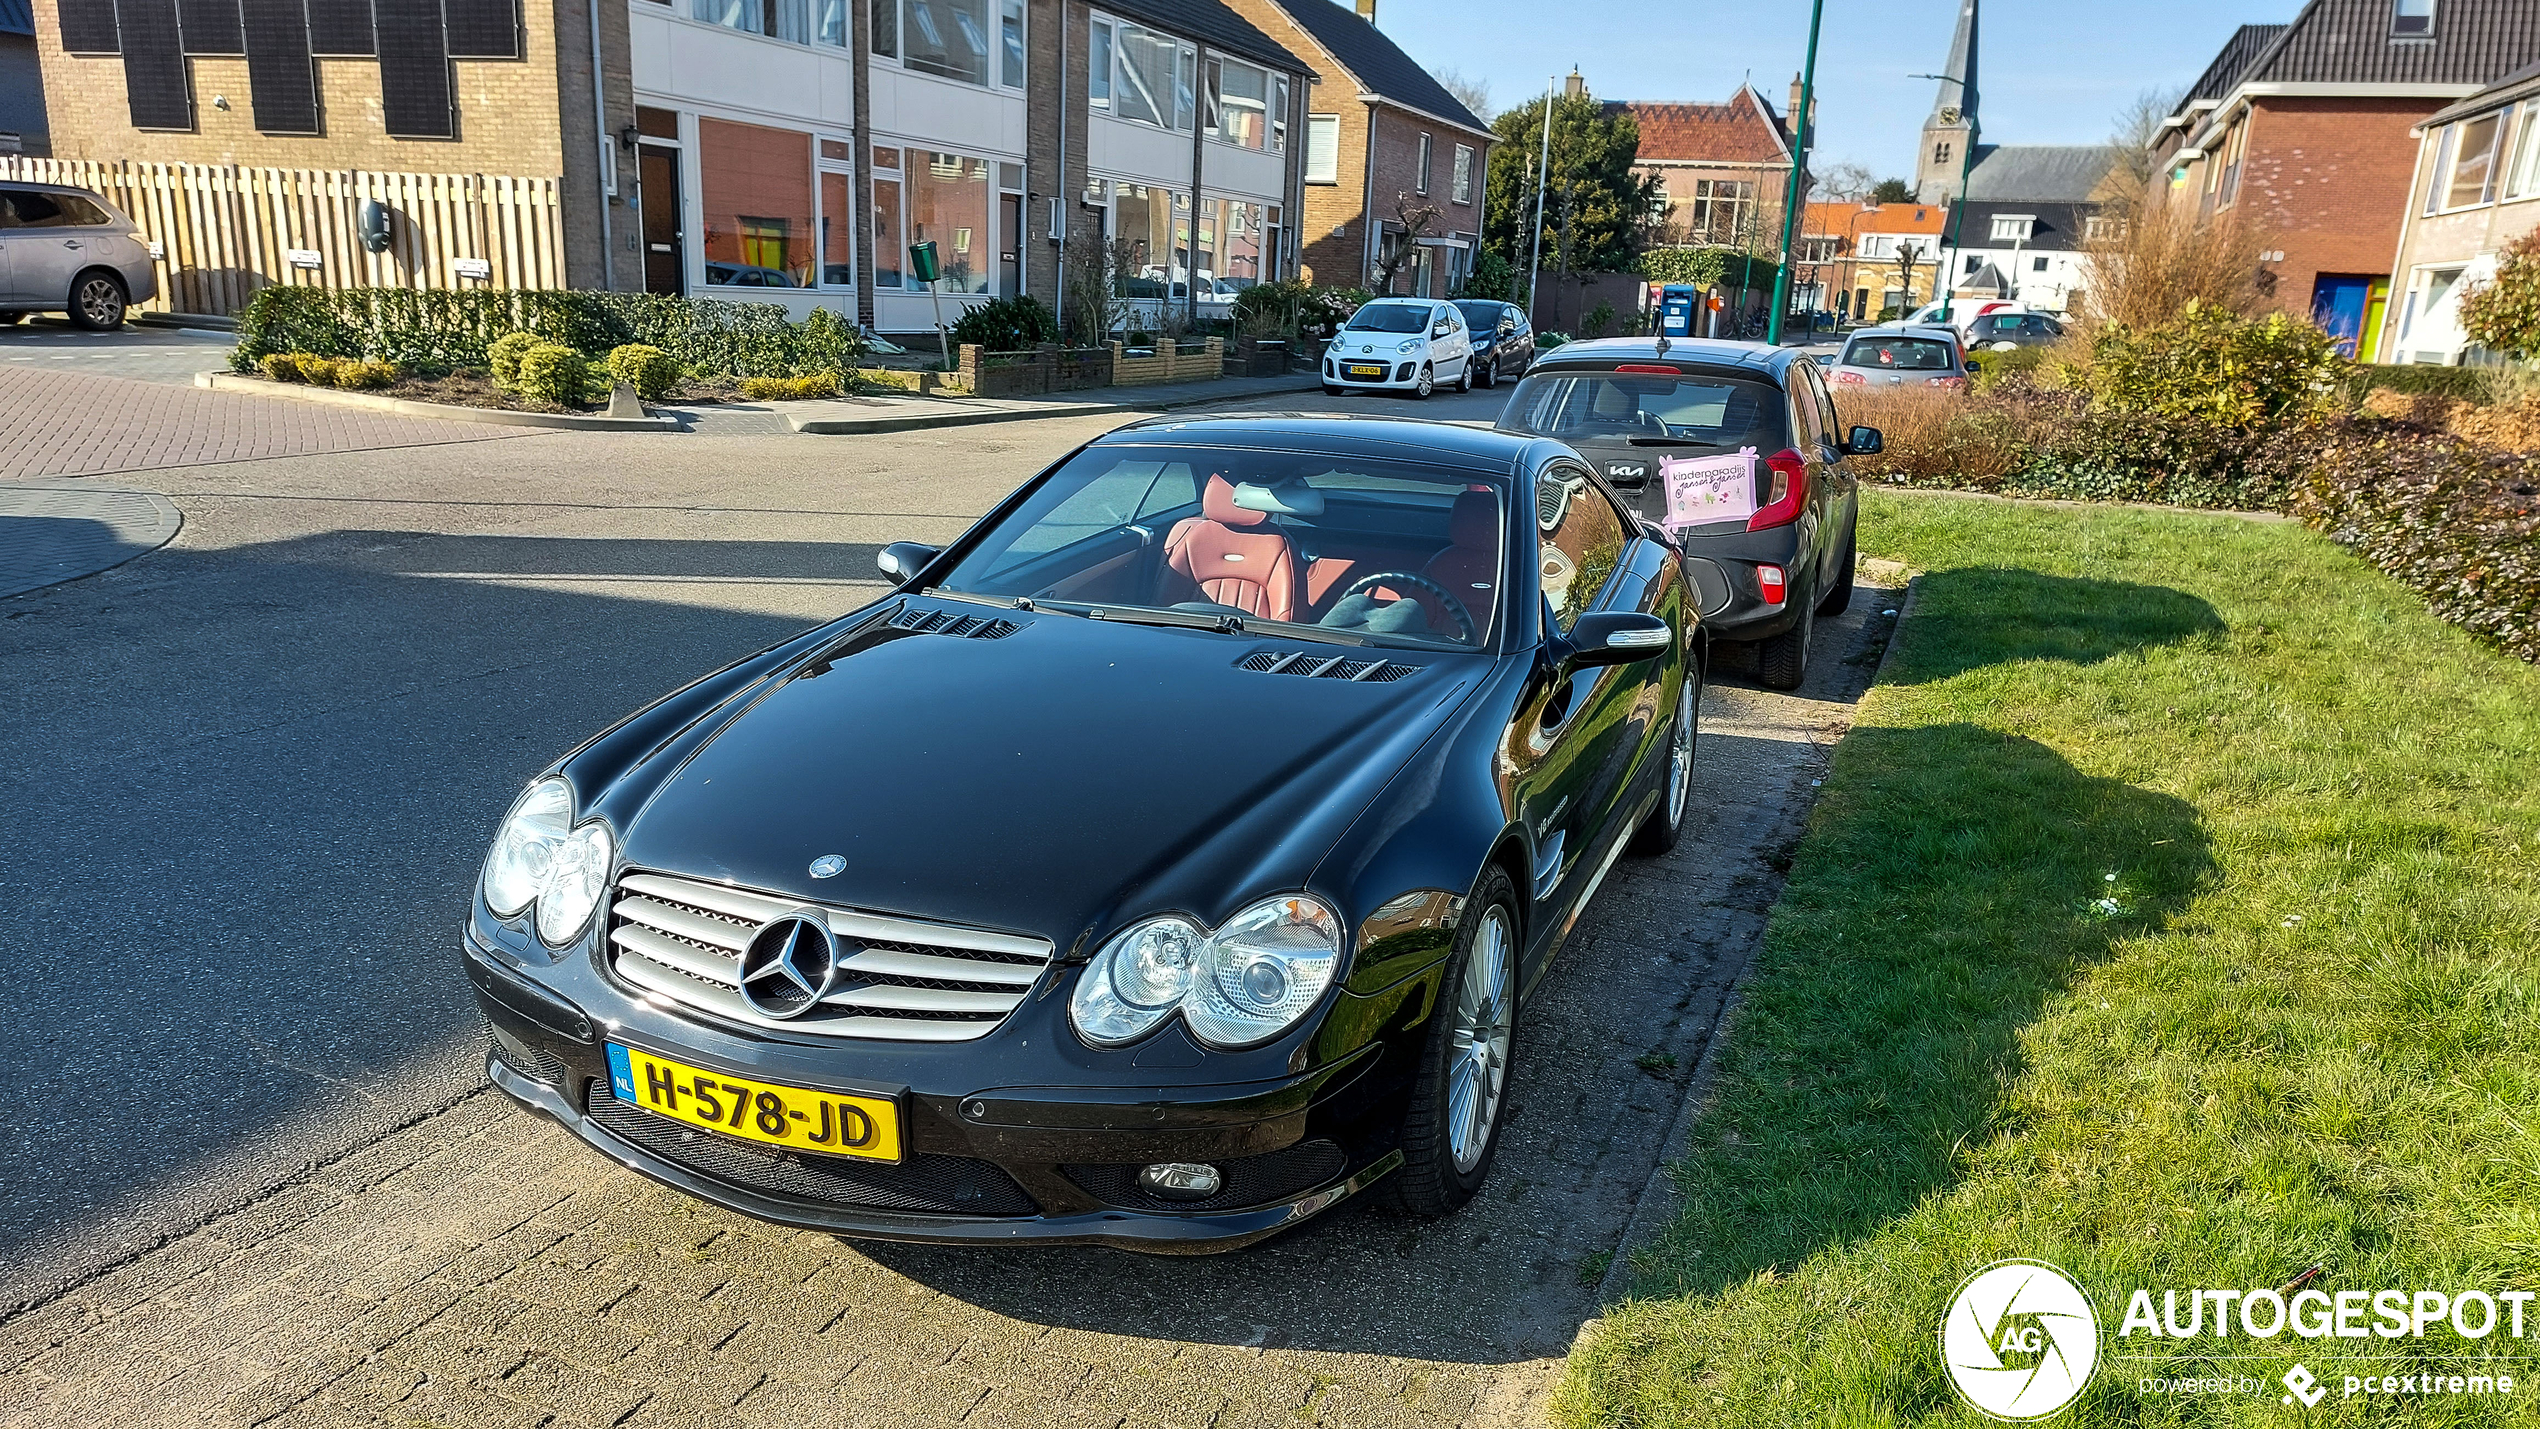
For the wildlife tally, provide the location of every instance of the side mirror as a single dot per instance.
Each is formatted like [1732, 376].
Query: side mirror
[1864, 441]
[1618, 637]
[902, 560]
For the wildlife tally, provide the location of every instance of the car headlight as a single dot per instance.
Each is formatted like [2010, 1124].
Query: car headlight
[1237, 987]
[1410, 345]
[540, 857]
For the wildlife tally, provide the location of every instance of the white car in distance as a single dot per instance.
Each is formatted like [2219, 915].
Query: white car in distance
[1400, 345]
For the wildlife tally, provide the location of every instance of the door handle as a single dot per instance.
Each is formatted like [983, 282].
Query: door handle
[70, 243]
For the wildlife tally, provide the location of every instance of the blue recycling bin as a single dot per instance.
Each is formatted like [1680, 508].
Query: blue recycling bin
[1677, 305]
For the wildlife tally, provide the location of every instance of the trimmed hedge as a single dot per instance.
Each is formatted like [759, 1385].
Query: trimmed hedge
[2457, 524]
[434, 332]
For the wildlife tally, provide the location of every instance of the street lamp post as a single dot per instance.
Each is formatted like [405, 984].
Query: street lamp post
[1798, 169]
[1543, 179]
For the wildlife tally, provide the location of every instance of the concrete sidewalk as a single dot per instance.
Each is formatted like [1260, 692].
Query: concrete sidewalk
[857, 416]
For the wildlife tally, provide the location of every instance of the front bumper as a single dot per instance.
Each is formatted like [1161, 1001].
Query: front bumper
[1401, 374]
[1050, 1165]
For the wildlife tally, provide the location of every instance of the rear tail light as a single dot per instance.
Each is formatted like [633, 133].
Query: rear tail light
[1770, 580]
[1850, 379]
[1954, 384]
[1789, 494]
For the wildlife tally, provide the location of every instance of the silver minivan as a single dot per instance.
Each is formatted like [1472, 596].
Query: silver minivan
[67, 250]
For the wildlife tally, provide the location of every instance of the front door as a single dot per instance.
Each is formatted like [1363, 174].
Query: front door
[1009, 245]
[2337, 304]
[665, 261]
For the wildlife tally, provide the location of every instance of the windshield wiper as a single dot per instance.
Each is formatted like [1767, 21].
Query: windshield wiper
[1150, 615]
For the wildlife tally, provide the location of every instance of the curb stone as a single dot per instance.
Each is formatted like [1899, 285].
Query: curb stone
[405, 407]
[1019, 412]
[1658, 1198]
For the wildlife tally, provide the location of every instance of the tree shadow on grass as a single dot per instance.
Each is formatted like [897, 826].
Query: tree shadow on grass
[1954, 881]
[1997, 615]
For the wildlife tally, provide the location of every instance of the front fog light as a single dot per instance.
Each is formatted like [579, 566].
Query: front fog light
[1180, 1180]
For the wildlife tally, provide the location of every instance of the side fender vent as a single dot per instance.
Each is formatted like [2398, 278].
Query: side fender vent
[945, 622]
[1315, 666]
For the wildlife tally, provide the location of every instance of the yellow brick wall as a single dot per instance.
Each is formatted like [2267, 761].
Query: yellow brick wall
[508, 113]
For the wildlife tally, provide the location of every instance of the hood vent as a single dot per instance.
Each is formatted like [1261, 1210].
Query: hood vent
[1315, 665]
[945, 622]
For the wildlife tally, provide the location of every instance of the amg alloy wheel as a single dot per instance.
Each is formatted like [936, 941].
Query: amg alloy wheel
[1452, 1128]
[1665, 824]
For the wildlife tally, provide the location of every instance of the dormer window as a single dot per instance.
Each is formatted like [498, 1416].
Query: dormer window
[2412, 19]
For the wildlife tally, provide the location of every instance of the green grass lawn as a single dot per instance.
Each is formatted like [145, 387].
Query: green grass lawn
[2171, 915]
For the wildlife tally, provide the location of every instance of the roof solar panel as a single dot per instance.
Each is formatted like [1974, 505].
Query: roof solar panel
[88, 27]
[483, 29]
[340, 27]
[281, 78]
[414, 72]
[210, 27]
[156, 83]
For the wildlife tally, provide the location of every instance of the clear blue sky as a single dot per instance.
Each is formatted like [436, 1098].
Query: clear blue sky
[2052, 73]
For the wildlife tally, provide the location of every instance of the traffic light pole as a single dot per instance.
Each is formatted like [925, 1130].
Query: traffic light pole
[1798, 171]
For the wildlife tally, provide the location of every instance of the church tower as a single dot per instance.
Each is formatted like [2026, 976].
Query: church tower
[1951, 129]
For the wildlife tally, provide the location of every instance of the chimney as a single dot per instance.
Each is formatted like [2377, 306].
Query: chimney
[1367, 11]
[1571, 88]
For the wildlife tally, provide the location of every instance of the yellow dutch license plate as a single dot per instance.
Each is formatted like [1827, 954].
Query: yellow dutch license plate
[837, 1123]
[1360, 369]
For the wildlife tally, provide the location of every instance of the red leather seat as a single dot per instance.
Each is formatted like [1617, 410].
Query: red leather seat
[1212, 556]
[1470, 565]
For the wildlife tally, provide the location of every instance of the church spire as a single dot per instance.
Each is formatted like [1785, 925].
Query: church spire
[1950, 132]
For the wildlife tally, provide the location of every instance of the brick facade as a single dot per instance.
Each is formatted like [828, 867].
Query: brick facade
[530, 117]
[2329, 177]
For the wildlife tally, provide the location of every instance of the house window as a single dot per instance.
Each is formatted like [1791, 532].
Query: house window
[2522, 175]
[837, 228]
[1940, 152]
[1239, 103]
[2473, 162]
[1464, 174]
[1278, 114]
[778, 19]
[829, 22]
[1145, 225]
[2096, 229]
[2037, 265]
[2412, 19]
[948, 38]
[755, 184]
[2442, 141]
[1422, 186]
[886, 28]
[1010, 32]
[948, 202]
[2013, 227]
[886, 217]
[1322, 148]
[1721, 208]
[1246, 235]
[1142, 75]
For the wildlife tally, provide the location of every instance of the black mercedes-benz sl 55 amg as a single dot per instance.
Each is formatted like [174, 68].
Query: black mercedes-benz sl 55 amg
[1164, 861]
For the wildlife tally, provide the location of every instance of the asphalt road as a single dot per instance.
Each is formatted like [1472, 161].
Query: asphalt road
[253, 1170]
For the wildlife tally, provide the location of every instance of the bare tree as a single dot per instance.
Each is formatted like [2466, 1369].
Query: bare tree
[2136, 126]
[1473, 94]
[1847, 182]
[1414, 218]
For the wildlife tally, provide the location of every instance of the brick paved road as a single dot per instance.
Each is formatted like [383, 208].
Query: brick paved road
[61, 423]
[137, 353]
[338, 627]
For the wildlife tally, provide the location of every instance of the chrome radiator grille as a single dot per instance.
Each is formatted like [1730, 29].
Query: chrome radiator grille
[899, 979]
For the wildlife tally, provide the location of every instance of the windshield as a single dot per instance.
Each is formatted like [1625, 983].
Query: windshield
[1390, 317]
[1480, 317]
[1727, 412]
[1905, 354]
[1358, 551]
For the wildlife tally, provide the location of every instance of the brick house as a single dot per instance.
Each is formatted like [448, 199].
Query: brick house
[479, 87]
[1382, 140]
[1853, 258]
[22, 126]
[2309, 125]
[2477, 190]
[1723, 169]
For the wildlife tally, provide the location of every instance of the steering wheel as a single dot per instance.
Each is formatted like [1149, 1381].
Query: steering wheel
[1467, 631]
[1651, 420]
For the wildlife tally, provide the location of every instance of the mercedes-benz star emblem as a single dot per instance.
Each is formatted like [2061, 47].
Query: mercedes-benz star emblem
[789, 965]
[828, 865]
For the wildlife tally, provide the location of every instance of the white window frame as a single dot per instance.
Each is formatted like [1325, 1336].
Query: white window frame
[1316, 127]
[1215, 107]
[1463, 190]
[2014, 227]
[822, 168]
[1173, 116]
[2456, 149]
[1427, 147]
[2412, 19]
[994, 35]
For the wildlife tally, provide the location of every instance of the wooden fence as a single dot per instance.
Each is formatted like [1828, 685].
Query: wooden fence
[223, 231]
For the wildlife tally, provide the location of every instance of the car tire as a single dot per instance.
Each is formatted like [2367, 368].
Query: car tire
[1331, 389]
[1839, 595]
[1445, 1158]
[1464, 379]
[1658, 833]
[1490, 373]
[1782, 661]
[1426, 383]
[97, 301]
